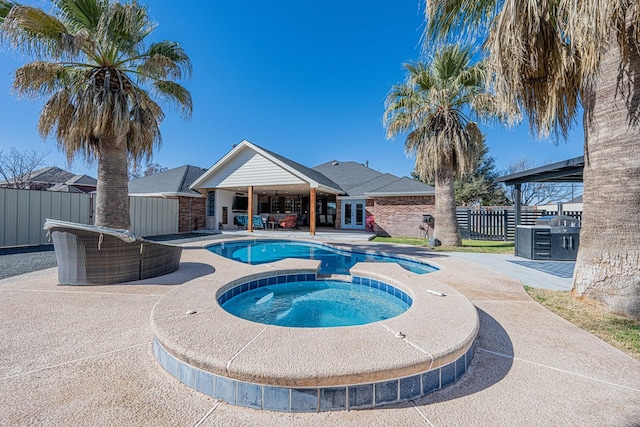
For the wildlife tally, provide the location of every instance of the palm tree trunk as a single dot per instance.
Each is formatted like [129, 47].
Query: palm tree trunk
[112, 201]
[446, 224]
[608, 264]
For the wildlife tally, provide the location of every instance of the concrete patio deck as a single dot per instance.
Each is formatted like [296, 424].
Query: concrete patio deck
[83, 356]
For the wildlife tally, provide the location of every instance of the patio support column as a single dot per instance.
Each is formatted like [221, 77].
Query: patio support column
[250, 210]
[517, 213]
[312, 211]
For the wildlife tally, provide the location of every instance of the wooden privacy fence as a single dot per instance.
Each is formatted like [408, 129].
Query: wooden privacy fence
[23, 212]
[498, 223]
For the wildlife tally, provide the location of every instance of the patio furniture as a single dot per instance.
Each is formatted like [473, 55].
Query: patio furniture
[289, 222]
[271, 222]
[322, 219]
[257, 222]
[242, 221]
[92, 255]
[301, 220]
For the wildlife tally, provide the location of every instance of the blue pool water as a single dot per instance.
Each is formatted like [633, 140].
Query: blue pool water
[334, 261]
[315, 304]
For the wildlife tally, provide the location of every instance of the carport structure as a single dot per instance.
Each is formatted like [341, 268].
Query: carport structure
[565, 171]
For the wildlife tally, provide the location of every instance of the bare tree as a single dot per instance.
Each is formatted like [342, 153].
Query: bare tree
[136, 170]
[17, 167]
[537, 193]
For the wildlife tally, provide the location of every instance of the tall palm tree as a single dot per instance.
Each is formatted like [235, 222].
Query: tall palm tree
[548, 57]
[92, 64]
[431, 107]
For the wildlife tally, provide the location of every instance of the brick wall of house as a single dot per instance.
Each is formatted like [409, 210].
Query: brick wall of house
[401, 215]
[192, 213]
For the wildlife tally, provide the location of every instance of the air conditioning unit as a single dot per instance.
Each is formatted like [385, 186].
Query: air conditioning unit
[211, 223]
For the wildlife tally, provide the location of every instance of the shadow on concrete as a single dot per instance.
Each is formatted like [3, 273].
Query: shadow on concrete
[492, 362]
[187, 272]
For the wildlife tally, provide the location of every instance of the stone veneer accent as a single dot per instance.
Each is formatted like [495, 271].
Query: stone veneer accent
[191, 213]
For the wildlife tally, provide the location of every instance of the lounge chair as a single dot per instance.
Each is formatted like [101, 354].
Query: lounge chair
[92, 255]
[242, 221]
[289, 222]
[258, 222]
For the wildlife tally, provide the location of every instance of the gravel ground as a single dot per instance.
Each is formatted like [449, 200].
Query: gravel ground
[16, 261]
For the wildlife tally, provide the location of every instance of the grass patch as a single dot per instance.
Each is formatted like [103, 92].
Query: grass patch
[479, 246]
[619, 331]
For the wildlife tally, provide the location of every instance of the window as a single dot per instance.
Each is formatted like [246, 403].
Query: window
[292, 204]
[211, 203]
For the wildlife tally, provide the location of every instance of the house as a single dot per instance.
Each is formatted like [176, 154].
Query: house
[54, 179]
[174, 184]
[255, 181]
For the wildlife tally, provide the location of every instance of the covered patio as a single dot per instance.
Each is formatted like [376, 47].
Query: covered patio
[251, 181]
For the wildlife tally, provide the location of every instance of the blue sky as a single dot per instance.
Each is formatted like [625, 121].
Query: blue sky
[306, 79]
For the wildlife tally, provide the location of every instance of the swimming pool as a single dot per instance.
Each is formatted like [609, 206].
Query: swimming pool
[333, 260]
[316, 304]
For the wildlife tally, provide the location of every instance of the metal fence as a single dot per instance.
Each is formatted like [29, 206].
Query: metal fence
[23, 212]
[499, 223]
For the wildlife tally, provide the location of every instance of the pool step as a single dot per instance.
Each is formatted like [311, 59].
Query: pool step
[339, 277]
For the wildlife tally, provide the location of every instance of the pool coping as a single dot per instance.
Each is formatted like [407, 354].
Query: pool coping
[251, 354]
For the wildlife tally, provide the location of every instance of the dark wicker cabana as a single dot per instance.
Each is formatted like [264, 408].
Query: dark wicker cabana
[91, 255]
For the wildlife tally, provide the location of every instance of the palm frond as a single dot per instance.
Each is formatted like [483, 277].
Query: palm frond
[5, 7]
[451, 20]
[38, 79]
[166, 59]
[81, 15]
[175, 94]
[36, 32]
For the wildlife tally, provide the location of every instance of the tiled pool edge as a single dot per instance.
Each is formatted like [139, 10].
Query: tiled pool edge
[314, 399]
[261, 282]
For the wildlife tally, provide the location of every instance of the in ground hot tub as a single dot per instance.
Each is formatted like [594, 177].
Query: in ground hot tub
[293, 369]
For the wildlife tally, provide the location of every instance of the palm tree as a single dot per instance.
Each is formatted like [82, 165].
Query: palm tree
[547, 58]
[429, 106]
[92, 65]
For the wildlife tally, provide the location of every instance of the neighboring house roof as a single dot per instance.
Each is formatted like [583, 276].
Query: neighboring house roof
[65, 188]
[82, 180]
[53, 178]
[172, 182]
[240, 165]
[359, 180]
[50, 175]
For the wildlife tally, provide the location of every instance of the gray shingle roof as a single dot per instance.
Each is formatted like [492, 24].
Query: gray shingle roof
[404, 185]
[359, 180]
[347, 174]
[50, 175]
[175, 180]
[82, 180]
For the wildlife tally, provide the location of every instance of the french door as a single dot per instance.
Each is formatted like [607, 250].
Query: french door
[353, 214]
